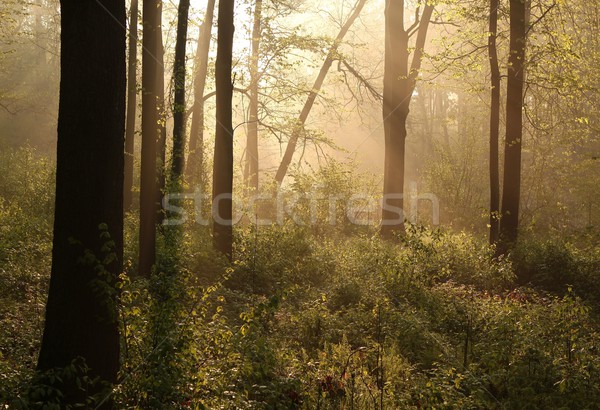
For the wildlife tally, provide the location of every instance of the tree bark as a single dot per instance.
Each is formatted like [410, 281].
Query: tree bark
[179, 98]
[223, 155]
[131, 106]
[494, 124]
[150, 134]
[195, 163]
[251, 171]
[162, 119]
[398, 86]
[81, 313]
[511, 189]
[312, 96]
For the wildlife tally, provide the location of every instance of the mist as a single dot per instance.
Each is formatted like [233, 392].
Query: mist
[350, 204]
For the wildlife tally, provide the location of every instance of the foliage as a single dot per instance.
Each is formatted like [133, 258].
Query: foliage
[26, 204]
[327, 315]
[557, 266]
[306, 319]
[46, 390]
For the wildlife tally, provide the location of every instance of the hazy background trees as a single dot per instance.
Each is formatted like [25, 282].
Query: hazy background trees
[447, 137]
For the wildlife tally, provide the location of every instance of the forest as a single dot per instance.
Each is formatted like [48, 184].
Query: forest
[299, 204]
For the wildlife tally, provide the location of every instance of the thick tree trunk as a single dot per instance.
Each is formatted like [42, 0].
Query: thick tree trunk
[131, 106]
[511, 190]
[179, 98]
[223, 156]
[195, 163]
[398, 86]
[494, 124]
[150, 133]
[312, 96]
[251, 171]
[81, 314]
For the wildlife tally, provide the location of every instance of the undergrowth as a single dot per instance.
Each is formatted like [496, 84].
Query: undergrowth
[305, 319]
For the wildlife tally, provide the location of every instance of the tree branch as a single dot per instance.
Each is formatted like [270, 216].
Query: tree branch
[420, 42]
[540, 18]
[8, 110]
[362, 80]
[416, 23]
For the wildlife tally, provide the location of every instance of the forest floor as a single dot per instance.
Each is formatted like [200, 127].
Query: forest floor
[332, 318]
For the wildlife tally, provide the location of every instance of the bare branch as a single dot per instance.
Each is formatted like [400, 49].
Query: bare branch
[416, 23]
[362, 80]
[420, 42]
[540, 18]
[7, 109]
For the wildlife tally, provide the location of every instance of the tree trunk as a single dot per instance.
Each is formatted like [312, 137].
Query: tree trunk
[179, 98]
[195, 163]
[41, 36]
[131, 106]
[396, 89]
[509, 222]
[162, 119]
[223, 155]
[312, 96]
[398, 86]
[494, 124]
[150, 132]
[81, 313]
[251, 172]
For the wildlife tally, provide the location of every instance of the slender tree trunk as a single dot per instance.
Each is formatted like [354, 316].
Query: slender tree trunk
[398, 86]
[162, 118]
[396, 100]
[195, 163]
[509, 222]
[251, 172]
[150, 128]
[223, 156]
[312, 96]
[131, 106]
[41, 36]
[443, 110]
[494, 124]
[81, 314]
[179, 98]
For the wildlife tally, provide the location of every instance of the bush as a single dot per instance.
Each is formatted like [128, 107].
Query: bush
[26, 214]
[555, 265]
[325, 317]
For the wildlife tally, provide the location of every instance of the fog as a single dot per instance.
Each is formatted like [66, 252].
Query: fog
[448, 122]
[348, 204]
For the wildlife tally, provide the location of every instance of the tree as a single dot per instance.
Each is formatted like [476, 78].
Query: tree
[179, 98]
[81, 313]
[131, 105]
[332, 55]
[511, 189]
[150, 134]
[251, 172]
[398, 86]
[162, 119]
[195, 163]
[29, 69]
[494, 123]
[223, 155]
